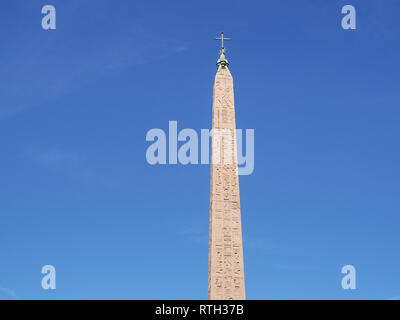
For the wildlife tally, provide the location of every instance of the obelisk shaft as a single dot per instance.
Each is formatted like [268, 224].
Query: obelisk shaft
[226, 269]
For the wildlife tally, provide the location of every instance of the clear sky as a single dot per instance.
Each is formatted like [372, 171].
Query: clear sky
[76, 103]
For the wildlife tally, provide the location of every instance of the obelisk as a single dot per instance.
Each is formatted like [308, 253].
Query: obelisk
[226, 269]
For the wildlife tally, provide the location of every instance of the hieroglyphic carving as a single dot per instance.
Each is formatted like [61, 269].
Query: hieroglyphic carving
[226, 270]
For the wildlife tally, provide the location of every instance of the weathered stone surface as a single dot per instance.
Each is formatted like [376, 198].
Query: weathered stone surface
[226, 269]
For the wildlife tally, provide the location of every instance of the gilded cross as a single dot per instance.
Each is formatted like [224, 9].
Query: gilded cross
[222, 39]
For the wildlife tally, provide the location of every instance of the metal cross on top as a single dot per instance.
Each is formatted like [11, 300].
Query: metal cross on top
[222, 39]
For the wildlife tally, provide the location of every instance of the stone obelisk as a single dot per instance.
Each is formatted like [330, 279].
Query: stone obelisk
[226, 269]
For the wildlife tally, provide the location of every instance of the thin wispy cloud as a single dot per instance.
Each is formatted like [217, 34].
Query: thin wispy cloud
[292, 267]
[196, 234]
[69, 164]
[262, 245]
[9, 292]
[65, 163]
[60, 63]
[179, 49]
[56, 159]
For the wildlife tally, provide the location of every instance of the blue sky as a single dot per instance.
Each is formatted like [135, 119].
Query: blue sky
[76, 103]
